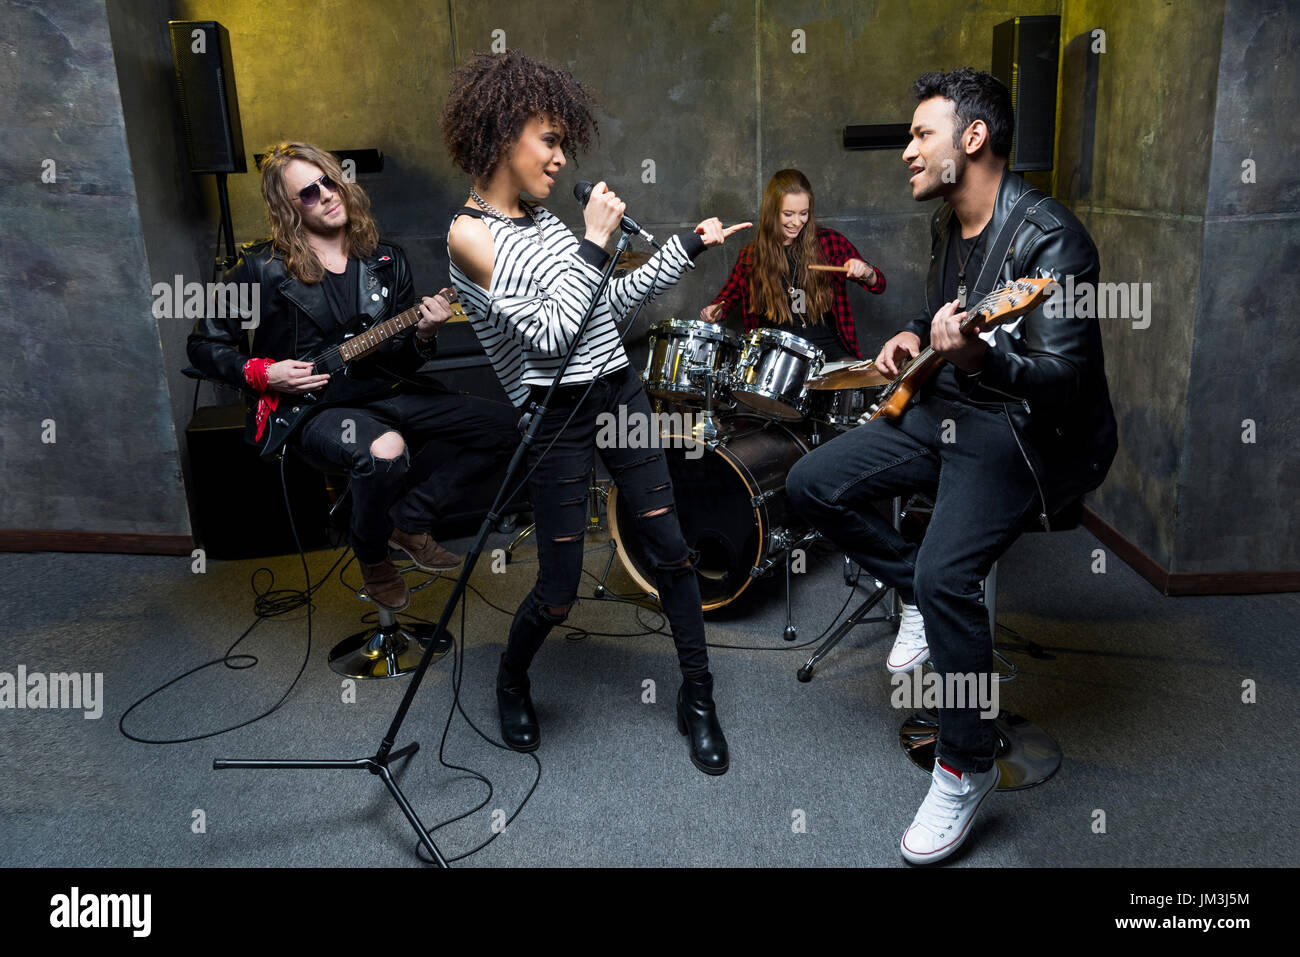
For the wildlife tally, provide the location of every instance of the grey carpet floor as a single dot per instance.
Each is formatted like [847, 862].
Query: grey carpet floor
[1143, 693]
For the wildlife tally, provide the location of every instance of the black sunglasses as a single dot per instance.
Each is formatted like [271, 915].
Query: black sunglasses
[309, 195]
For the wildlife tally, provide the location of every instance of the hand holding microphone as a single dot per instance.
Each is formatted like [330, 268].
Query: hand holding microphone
[603, 212]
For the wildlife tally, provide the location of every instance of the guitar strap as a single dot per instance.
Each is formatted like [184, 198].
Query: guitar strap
[988, 277]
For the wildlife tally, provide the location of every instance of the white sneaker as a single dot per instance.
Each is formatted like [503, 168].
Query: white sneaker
[945, 816]
[910, 648]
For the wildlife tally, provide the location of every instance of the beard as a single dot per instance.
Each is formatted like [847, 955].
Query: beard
[937, 188]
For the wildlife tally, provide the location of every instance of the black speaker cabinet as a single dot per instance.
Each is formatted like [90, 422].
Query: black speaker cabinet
[205, 85]
[1025, 55]
[238, 499]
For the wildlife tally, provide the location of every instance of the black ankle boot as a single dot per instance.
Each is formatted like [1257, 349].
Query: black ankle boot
[697, 717]
[518, 720]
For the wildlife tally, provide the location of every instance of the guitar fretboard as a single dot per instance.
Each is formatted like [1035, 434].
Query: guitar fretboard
[360, 345]
[995, 308]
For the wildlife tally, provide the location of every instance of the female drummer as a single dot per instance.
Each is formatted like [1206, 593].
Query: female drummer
[525, 281]
[774, 285]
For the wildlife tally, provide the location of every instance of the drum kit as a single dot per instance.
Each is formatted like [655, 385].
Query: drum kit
[759, 404]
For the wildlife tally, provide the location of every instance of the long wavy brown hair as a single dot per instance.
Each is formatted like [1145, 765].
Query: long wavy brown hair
[287, 233]
[770, 279]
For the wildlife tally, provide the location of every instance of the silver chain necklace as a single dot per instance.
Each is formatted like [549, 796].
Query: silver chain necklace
[493, 211]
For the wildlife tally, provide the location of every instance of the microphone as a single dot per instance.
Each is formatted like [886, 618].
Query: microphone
[582, 193]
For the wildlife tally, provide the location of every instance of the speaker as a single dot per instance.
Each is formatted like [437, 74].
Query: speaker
[205, 86]
[238, 499]
[1025, 55]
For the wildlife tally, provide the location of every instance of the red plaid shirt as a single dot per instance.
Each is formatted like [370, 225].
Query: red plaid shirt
[836, 251]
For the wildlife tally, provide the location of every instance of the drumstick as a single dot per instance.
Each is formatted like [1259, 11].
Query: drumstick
[829, 268]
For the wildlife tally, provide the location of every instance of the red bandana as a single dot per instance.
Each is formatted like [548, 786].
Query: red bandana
[255, 376]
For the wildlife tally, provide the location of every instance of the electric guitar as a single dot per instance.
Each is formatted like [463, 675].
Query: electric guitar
[1002, 305]
[293, 407]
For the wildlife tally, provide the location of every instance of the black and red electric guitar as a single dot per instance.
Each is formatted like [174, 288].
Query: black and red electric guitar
[293, 407]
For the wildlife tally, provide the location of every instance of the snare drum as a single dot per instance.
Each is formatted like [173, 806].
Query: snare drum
[773, 372]
[678, 348]
[842, 407]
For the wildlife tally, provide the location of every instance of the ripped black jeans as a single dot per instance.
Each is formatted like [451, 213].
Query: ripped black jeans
[452, 442]
[558, 488]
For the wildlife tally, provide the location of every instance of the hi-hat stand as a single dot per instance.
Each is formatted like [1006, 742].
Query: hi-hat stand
[859, 615]
[379, 762]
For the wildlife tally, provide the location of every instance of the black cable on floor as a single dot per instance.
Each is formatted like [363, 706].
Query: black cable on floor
[267, 603]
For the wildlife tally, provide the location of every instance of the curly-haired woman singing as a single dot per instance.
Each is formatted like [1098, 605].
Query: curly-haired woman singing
[525, 281]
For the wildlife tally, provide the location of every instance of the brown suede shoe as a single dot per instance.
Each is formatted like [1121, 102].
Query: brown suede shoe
[385, 586]
[427, 554]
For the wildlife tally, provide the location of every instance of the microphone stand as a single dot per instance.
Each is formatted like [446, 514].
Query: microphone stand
[379, 762]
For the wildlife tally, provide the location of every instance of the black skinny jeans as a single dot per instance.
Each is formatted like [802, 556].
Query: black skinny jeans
[558, 488]
[967, 459]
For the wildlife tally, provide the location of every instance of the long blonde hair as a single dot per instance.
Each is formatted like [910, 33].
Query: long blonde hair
[287, 234]
[769, 279]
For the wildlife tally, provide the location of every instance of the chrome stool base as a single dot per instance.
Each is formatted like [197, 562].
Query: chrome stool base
[1027, 755]
[388, 651]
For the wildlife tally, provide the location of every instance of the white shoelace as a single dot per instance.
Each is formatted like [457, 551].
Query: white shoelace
[911, 628]
[939, 809]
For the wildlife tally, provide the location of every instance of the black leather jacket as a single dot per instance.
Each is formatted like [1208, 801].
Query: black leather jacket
[1047, 372]
[218, 346]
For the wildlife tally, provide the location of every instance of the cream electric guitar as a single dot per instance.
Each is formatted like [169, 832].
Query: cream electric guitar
[1002, 305]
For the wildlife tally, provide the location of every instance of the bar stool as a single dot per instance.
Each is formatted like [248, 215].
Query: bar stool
[391, 648]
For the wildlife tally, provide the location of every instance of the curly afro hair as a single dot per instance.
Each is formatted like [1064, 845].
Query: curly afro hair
[494, 94]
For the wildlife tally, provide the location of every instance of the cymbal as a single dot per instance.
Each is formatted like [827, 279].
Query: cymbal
[632, 259]
[861, 375]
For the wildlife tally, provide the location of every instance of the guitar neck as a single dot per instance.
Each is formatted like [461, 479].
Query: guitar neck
[372, 339]
[994, 309]
[919, 370]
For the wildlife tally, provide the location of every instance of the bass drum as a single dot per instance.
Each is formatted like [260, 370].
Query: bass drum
[730, 499]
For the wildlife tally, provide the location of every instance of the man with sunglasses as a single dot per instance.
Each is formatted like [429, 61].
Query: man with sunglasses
[323, 276]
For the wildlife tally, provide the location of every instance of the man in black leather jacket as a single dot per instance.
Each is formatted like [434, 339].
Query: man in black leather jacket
[324, 277]
[1017, 424]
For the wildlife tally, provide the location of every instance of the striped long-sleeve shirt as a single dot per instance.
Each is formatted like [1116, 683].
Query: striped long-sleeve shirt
[527, 320]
